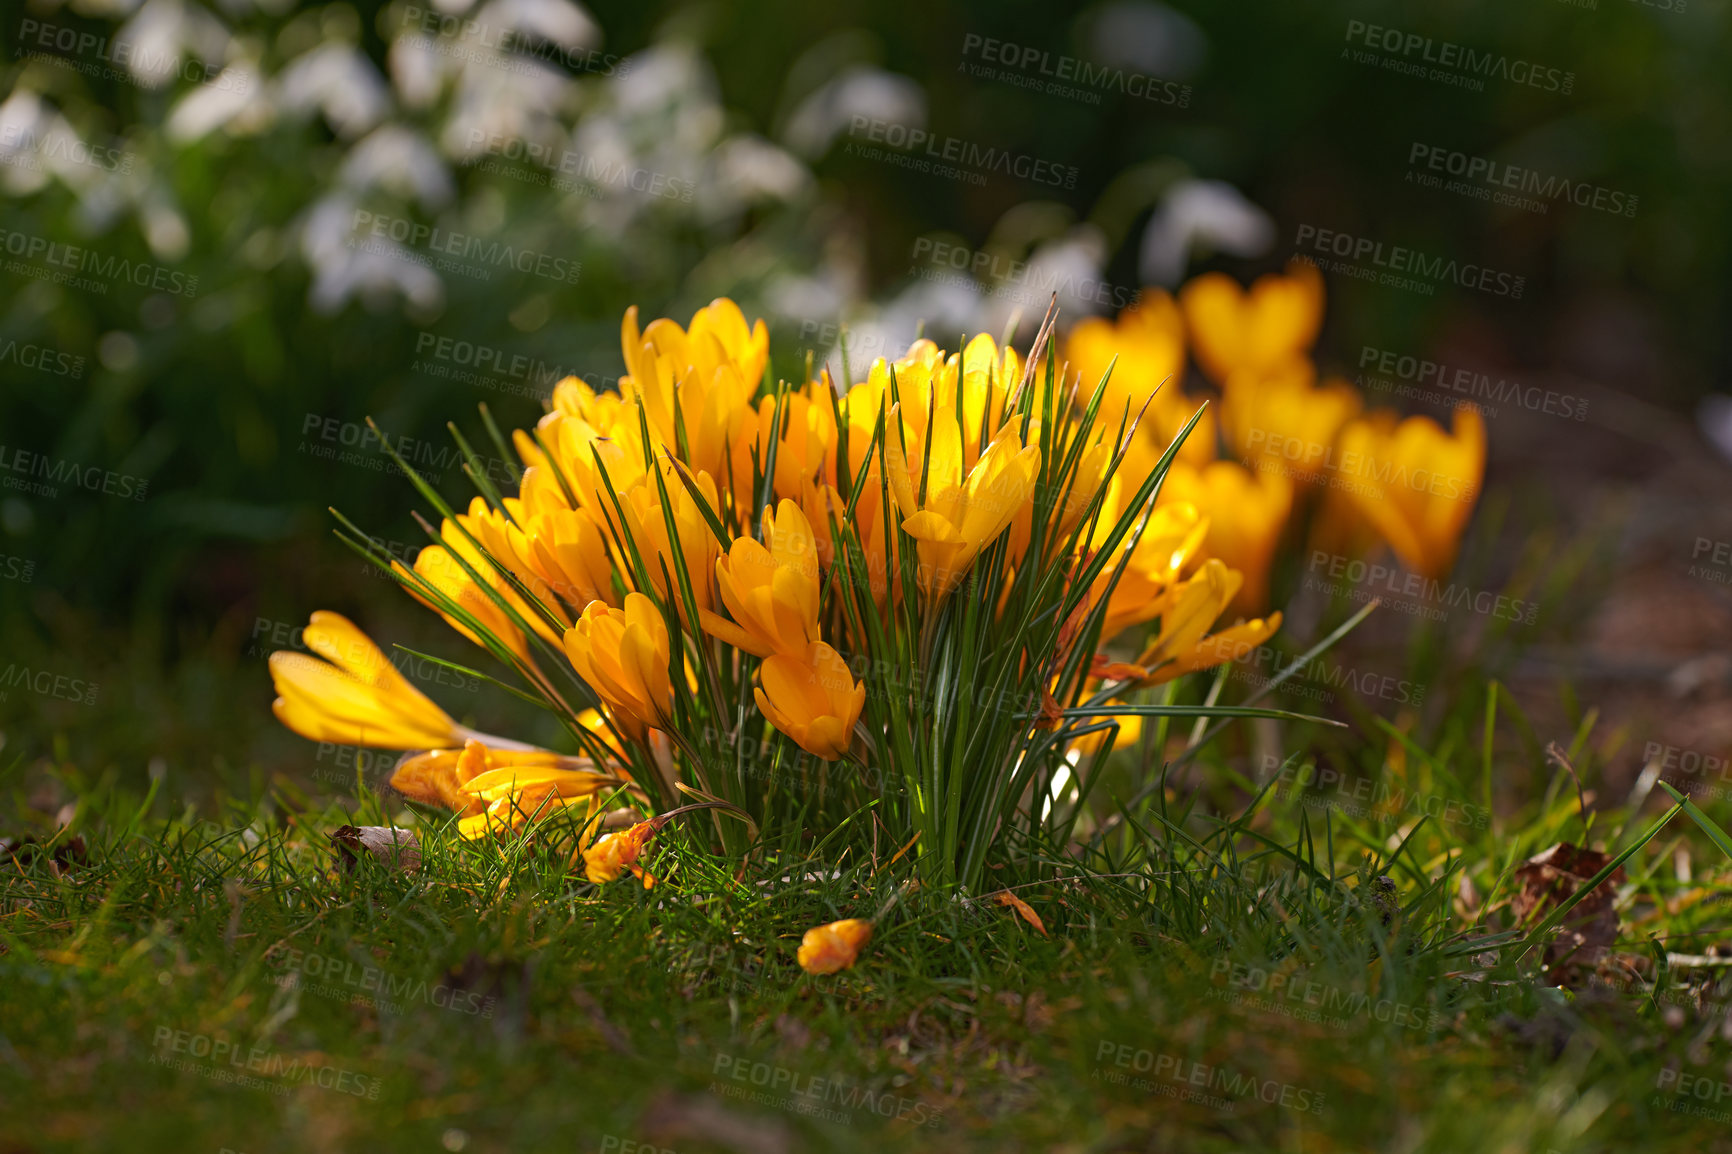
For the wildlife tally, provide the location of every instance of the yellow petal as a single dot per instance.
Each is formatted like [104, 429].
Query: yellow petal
[826, 949]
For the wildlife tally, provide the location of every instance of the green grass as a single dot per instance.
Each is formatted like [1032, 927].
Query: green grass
[589, 1017]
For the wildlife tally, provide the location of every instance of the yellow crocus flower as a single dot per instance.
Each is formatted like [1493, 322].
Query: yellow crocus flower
[1171, 539]
[1415, 483]
[1232, 329]
[1247, 513]
[355, 696]
[693, 537]
[516, 789]
[805, 446]
[812, 698]
[623, 655]
[567, 550]
[821, 503]
[708, 375]
[1281, 421]
[962, 512]
[497, 789]
[615, 853]
[1183, 644]
[1149, 342]
[436, 565]
[771, 592]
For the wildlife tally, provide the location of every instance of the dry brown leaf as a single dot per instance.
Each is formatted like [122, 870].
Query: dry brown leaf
[392, 847]
[1006, 898]
[1550, 878]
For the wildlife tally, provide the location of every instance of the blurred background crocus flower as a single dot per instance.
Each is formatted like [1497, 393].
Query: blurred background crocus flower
[1232, 328]
[1416, 484]
[1247, 513]
[1148, 341]
[1281, 421]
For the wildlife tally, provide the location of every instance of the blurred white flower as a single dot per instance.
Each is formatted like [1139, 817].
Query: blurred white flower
[106, 9]
[495, 107]
[943, 310]
[235, 100]
[399, 160]
[337, 80]
[1147, 37]
[1069, 266]
[347, 265]
[559, 21]
[1207, 214]
[417, 70]
[1714, 418]
[749, 169]
[860, 90]
[27, 126]
[165, 229]
[161, 36]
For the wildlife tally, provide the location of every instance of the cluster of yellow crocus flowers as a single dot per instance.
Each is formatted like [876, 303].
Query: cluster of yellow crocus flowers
[699, 498]
[1287, 436]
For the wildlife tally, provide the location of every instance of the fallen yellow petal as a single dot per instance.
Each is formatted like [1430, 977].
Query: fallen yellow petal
[826, 949]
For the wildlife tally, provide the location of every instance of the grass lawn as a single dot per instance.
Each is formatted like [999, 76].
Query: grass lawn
[1312, 969]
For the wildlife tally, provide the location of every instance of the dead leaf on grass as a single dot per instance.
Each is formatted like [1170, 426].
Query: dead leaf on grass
[1550, 878]
[1023, 909]
[392, 847]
